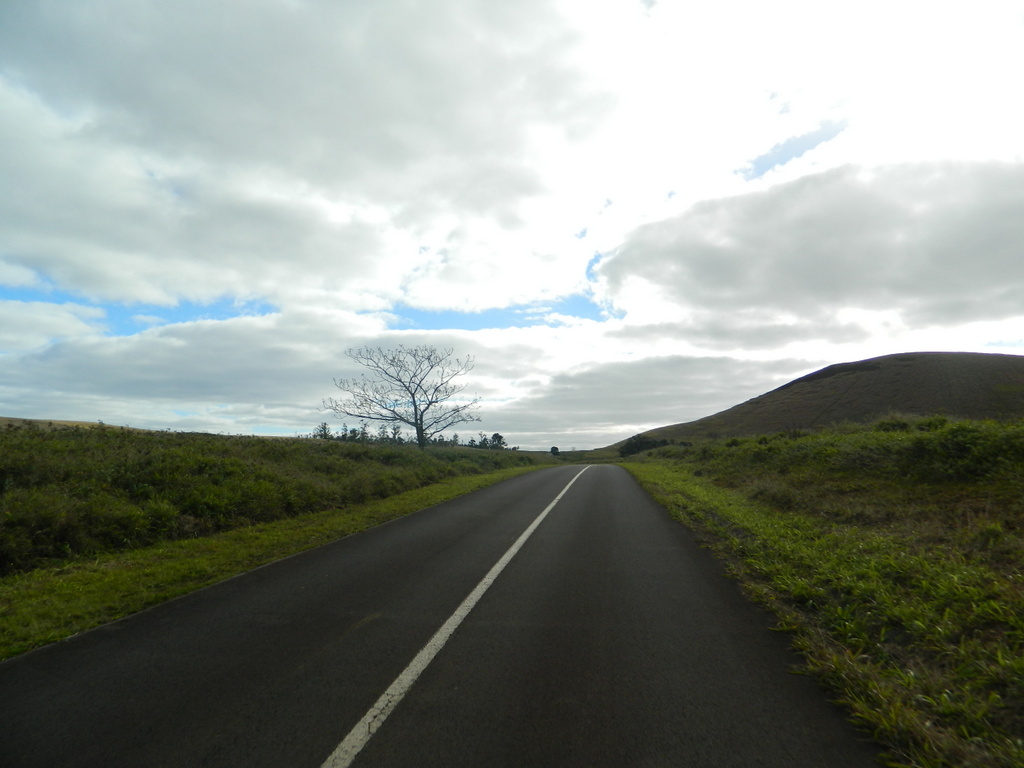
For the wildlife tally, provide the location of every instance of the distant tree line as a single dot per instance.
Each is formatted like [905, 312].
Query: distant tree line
[393, 435]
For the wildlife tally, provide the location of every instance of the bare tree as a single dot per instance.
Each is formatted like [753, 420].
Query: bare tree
[409, 385]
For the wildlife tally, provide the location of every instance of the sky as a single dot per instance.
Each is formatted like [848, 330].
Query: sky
[629, 213]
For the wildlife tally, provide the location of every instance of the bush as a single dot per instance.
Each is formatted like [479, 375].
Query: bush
[964, 451]
[638, 443]
[892, 425]
[71, 492]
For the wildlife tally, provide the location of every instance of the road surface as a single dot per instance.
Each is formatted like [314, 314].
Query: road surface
[606, 638]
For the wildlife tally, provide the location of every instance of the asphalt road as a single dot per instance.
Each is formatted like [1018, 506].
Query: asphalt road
[609, 639]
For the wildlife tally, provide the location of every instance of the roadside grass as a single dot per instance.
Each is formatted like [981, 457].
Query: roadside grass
[48, 604]
[893, 554]
[79, 492]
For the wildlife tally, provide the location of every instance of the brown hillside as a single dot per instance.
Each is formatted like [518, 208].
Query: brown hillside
[957, 384]
[10, 423]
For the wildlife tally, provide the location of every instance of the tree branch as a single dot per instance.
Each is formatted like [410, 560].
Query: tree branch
[408, 384]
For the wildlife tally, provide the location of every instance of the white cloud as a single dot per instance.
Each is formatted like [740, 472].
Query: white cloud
[228, 141]
[936, 243]
[584, 408]
[31, 325]
[336, 163]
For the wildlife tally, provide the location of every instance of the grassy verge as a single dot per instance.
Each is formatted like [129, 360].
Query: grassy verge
[51, 603]
[918, 630]
[67, 493]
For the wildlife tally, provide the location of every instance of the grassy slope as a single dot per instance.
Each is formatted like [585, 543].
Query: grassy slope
[966, 385]
[894, 555]
[98, 523]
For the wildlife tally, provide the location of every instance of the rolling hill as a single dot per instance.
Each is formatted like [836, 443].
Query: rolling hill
[955, 384]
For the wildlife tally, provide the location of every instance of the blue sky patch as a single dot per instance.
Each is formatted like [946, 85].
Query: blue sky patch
[509, 317]
[792, 148]
[128, 319]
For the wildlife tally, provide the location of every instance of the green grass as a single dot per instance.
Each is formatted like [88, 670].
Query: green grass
[893, 554]
[96, 523]
[77, 492]
[48, 604]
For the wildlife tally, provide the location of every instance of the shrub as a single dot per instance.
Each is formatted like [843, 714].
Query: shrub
[892, 425]
[638, 443]
[71, 492]
[964, 451]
